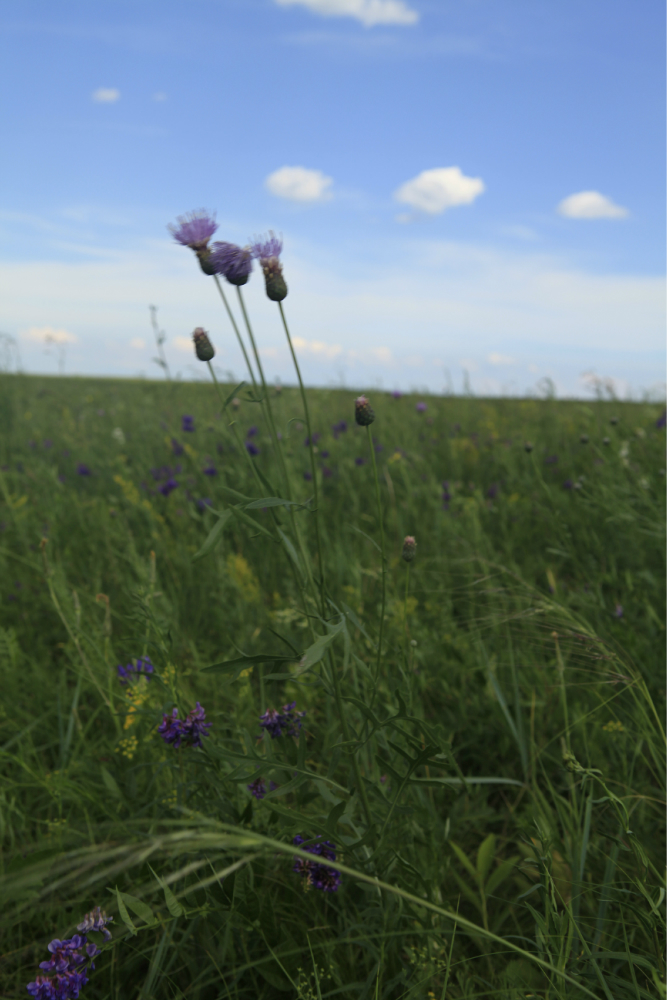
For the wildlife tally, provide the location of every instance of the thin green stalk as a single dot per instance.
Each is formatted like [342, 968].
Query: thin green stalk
[384, 555]
[312, 457]
[405, 615]
[346, 736]
[236, 330]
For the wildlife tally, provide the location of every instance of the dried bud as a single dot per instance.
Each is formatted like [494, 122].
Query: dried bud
[363, 412]
[203, 347]
[528, 446]
[409, 548]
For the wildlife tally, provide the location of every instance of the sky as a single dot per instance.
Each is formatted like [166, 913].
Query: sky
[471, 193]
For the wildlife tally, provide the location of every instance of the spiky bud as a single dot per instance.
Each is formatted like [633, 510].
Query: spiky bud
[528, 446]
[363, 412]
[206, 262]
[409, 548]
[584, 438]
[203, 347]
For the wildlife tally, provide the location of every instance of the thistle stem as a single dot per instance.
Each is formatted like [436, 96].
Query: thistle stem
[384, 558]
[236, 330]
[405, 615]
[312, 457]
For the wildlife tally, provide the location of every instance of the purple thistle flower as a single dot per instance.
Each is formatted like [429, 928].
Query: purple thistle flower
[318, 875]
[421, 407]
[234, 262]
[187, 423]
[194, 229]
[278, 723]
[363, 411]
[396, 394]
[83, 470]
[267, 251]
[166, 488]
[251, 448]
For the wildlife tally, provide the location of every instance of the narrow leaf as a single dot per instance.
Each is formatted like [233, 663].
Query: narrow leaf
[122, 910]
[485, 854]
[315, 652]
[142, 910]
[214, 536]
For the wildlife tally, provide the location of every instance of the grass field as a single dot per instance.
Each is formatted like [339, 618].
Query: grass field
[483, 746]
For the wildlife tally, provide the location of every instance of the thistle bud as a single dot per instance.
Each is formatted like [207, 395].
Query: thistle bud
[363, 412]
[267, 252]
[409, 548]
[203, 347]
[206, 261]
[528, 446]
[584, 438]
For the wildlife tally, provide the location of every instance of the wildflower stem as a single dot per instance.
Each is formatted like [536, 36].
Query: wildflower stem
[405, 615]
[384, 558]
[236, 330]
[312, 457]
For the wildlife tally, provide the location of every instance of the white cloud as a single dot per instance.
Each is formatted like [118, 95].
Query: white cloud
[318, 347]
[299, 184]
[369, 12]
[591, 205]
[138, 343]
[499, 359]
[48, 335]
[434, 191]
[183, 344]
[106, 95]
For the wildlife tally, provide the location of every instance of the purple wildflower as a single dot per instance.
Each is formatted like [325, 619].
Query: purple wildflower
[194, 229]
[251, 448]
[339, 428]
[662, 420]
[171, 728]
[267, 251]
[618, 611]
[324, 454]
[307, 476]
[204, 502]
[315, 438]
[210, 470]
[317, 875]
[258, 788]
[194, 726]
[142, 665]
[252, 431]
[96, 920]
[166, 488]
[235, 263]
[396, 394]
[568, 485]
[187, 423]
[277, 723]
[360, 461]
[83, 470]
[421, 407]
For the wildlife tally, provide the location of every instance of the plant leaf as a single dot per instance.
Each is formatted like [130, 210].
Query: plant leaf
[214, 536]
[315, 652]
[485, 854]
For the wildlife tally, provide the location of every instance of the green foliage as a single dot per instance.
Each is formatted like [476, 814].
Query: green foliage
[495, 791]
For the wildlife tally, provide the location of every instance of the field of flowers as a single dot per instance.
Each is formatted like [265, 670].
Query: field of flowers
[311, 696]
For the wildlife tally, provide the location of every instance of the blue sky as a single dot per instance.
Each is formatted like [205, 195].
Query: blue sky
[473, 186]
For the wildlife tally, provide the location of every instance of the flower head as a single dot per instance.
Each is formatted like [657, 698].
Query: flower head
[142, 665]
[267, 252]
[194, 726]
[660, 422]
[83, 470]
[194, 229]
[251, 448]
[235, 263]
[203, 347]
[276, 723]
[317, 875]
[96, 920]
[187, 423]
[421, 407]
[396, 394]
[171, 728]
[409, 548]
[166, 488]
[363, 411]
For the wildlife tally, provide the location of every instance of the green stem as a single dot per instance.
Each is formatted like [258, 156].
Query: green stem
[346, 736]
[312, 457]
[384, 557]
[236, 330]
[405, 615]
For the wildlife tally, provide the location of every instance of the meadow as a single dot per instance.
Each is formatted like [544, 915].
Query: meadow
[487, 783]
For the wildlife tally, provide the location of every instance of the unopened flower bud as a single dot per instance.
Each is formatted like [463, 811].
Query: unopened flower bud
[267, 252]
[409, 548]
[363, 412]
[206, 261]
[528, 446]
[584, 438]
[203, 347]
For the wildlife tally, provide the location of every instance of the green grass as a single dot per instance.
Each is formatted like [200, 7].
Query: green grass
[530, 635]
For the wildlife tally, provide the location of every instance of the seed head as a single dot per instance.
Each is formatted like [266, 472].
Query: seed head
[363, 411]
[203, 347]
[409, 548]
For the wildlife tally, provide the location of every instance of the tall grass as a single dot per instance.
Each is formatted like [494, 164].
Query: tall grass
[495, 791]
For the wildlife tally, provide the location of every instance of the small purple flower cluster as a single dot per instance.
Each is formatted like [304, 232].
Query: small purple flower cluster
[188, 423]
[142, 665]
[68, 966]
[188, 731]
[278, 723]
[339, 428]
[258, 788]
[318, 875]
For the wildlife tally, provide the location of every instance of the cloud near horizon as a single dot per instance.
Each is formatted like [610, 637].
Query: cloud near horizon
[368, 12]
[48, 335]
[434, 191]
[106, 95]
[591, 205]
[299, 184]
